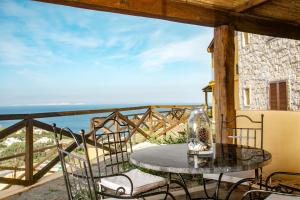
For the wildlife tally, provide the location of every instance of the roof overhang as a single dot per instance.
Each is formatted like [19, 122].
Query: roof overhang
[209, 87]
[254, 16]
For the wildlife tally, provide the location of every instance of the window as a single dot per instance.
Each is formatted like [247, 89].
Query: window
[278, 96]
[247, 97]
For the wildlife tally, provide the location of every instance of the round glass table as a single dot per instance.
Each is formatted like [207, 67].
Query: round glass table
[226, 158]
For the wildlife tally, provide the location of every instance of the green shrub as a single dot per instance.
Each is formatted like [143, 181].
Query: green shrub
[168, 139]
[15, 148]
[19, 147]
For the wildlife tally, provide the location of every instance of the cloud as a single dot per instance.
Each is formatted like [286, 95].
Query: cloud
[12, 8]
[33, 35]
[112, 41]
[51, 22]
[77, 41]
[191, 50]
[77, 17]
[12, 51]
[33, 75]
[15, 52]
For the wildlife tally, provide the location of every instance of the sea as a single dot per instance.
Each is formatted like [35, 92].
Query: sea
[75, 123]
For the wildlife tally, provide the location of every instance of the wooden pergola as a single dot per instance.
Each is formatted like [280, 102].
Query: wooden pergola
[278, 18]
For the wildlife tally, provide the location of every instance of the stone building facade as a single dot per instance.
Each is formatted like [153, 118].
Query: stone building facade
[263, 60]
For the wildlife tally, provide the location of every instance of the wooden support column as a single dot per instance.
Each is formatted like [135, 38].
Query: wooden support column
[224, 76]
[29, 151]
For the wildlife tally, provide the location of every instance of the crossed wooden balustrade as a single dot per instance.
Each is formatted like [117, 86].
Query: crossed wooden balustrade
[146, 121]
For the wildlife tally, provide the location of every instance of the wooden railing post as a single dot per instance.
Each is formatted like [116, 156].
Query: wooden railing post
[166, 122]
[151, 121]
[29, 151]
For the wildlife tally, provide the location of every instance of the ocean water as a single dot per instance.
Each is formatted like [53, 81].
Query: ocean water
[75, 123]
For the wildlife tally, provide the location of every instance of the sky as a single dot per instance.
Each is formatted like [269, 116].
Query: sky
[56, 55]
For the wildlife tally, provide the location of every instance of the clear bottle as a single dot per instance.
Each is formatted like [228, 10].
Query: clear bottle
[199, 132]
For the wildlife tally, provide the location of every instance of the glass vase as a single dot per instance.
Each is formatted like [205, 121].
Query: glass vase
[199, 132]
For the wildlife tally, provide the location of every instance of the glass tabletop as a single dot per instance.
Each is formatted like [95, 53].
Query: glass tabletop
[226, 158]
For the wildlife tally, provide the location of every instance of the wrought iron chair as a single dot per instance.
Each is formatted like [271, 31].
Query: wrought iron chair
[274, 189]
[243, 135]
[268, 195]
[79, 175]
[251, 136]
[111, 162]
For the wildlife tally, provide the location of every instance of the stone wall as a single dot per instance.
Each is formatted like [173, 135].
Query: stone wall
[263, 60]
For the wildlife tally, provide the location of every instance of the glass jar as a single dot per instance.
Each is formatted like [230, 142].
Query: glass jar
[199, 132]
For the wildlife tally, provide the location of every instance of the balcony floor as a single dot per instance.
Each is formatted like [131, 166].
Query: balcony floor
[55, 190]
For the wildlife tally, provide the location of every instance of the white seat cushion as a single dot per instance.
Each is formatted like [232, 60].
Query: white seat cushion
[282, 197]
[232, 177]
[141, 181]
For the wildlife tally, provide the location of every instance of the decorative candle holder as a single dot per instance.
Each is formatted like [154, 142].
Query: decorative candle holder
[199, 133]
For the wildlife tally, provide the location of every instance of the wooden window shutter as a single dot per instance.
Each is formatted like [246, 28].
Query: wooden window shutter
[273, 96]
[282, 96]
[278, 96]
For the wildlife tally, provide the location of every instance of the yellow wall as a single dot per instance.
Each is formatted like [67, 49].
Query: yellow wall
[236, 76]
[281, 138]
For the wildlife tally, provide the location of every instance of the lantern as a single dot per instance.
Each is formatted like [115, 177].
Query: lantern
[199, 132]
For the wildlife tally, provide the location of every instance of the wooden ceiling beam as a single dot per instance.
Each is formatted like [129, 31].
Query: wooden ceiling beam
[191, 14]
[249, 4]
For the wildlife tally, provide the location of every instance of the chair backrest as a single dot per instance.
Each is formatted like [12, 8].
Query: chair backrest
[75, 164]
[251, 135]
[113, 134]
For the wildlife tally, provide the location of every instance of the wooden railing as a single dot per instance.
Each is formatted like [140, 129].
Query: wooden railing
[144, 121]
